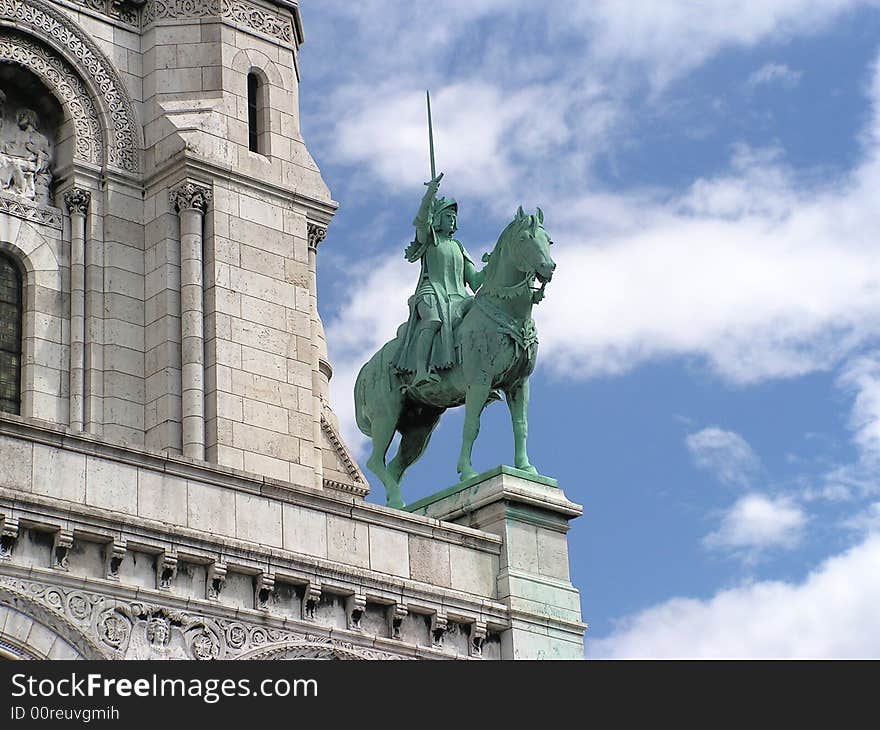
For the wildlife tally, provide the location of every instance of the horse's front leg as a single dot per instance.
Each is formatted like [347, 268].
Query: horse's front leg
[475, 400]
[518, 402]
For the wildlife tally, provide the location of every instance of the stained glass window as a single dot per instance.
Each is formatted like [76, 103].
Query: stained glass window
[10, 336]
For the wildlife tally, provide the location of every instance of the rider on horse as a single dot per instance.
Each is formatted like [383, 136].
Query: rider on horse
[440, 300]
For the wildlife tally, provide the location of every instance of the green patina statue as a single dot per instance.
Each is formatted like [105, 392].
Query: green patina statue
[456, 348]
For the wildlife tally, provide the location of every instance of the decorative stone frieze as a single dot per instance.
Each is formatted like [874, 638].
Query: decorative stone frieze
[125, 629]
[30, 212]
[249, 15]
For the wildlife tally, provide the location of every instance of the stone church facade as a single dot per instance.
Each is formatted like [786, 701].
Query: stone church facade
[173, 481]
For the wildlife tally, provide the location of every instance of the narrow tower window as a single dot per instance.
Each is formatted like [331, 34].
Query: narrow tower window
[254, 112]
[10, 336]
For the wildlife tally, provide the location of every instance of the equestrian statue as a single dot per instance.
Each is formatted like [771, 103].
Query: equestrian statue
[456, 348]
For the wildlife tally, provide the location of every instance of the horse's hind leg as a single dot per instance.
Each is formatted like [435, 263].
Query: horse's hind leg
[383, 431]
[518, 402]
[475, 400]
[413, 442]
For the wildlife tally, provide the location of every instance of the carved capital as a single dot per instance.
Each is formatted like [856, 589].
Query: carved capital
[191, 196]
[77, 201]
[317, 232]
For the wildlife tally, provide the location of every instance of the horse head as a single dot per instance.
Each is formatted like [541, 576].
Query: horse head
[530, 246]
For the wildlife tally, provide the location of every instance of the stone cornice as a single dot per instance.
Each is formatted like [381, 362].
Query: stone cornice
[295, 494]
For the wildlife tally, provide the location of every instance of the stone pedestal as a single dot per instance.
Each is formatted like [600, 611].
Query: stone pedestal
[531, 514]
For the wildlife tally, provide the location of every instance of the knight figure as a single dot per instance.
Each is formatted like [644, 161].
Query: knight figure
[440, 300]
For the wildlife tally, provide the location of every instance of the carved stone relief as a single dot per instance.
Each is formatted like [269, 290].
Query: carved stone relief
[26, 153]
[140, 630]
[46, 22]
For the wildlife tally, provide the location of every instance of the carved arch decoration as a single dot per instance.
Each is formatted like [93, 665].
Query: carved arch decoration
[19, 601]
[60, 78]
[124, 141]
[315, 649]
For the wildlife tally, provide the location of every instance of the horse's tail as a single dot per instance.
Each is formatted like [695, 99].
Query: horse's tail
[360, 399]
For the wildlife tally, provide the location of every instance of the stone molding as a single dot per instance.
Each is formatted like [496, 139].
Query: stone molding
[45, 22]
[244, 13]
[28, 211]
[191, 196]
[60, 77]
[360, 484]
[77, 200]
[124, 11]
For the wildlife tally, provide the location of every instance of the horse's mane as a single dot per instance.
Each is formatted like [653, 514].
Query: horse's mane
[509, 233]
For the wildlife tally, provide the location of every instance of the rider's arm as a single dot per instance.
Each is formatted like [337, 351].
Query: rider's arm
[421, 222]
[472, 277]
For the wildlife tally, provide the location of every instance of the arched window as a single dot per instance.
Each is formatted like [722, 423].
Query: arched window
[10, 336]
[255, 112]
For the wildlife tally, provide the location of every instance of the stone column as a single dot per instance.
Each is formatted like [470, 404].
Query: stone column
[531, 514]
[77, 201]
[320, 378]
[191, 202]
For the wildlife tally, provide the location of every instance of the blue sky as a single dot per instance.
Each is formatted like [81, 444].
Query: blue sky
[709, 375]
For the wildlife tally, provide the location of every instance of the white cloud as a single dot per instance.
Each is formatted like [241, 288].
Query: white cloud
[756, 523]
[862, 376]
[724, 453]
[778, 73]
[758, 276]
[367, 320]
[675, 36]
[868, 520]
[832, 613]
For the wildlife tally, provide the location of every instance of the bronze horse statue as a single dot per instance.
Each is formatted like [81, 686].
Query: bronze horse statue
[498, 347]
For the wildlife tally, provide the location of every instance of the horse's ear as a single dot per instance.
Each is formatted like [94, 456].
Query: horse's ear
[520, 213]
[540, 216]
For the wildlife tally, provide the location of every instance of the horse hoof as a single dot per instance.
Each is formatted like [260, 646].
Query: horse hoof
[529, 469]
[467, 474]
[395, 503]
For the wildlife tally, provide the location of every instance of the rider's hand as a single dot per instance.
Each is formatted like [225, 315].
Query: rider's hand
[434, 185]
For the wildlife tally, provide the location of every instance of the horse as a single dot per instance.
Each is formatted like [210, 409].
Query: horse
[497, 344]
